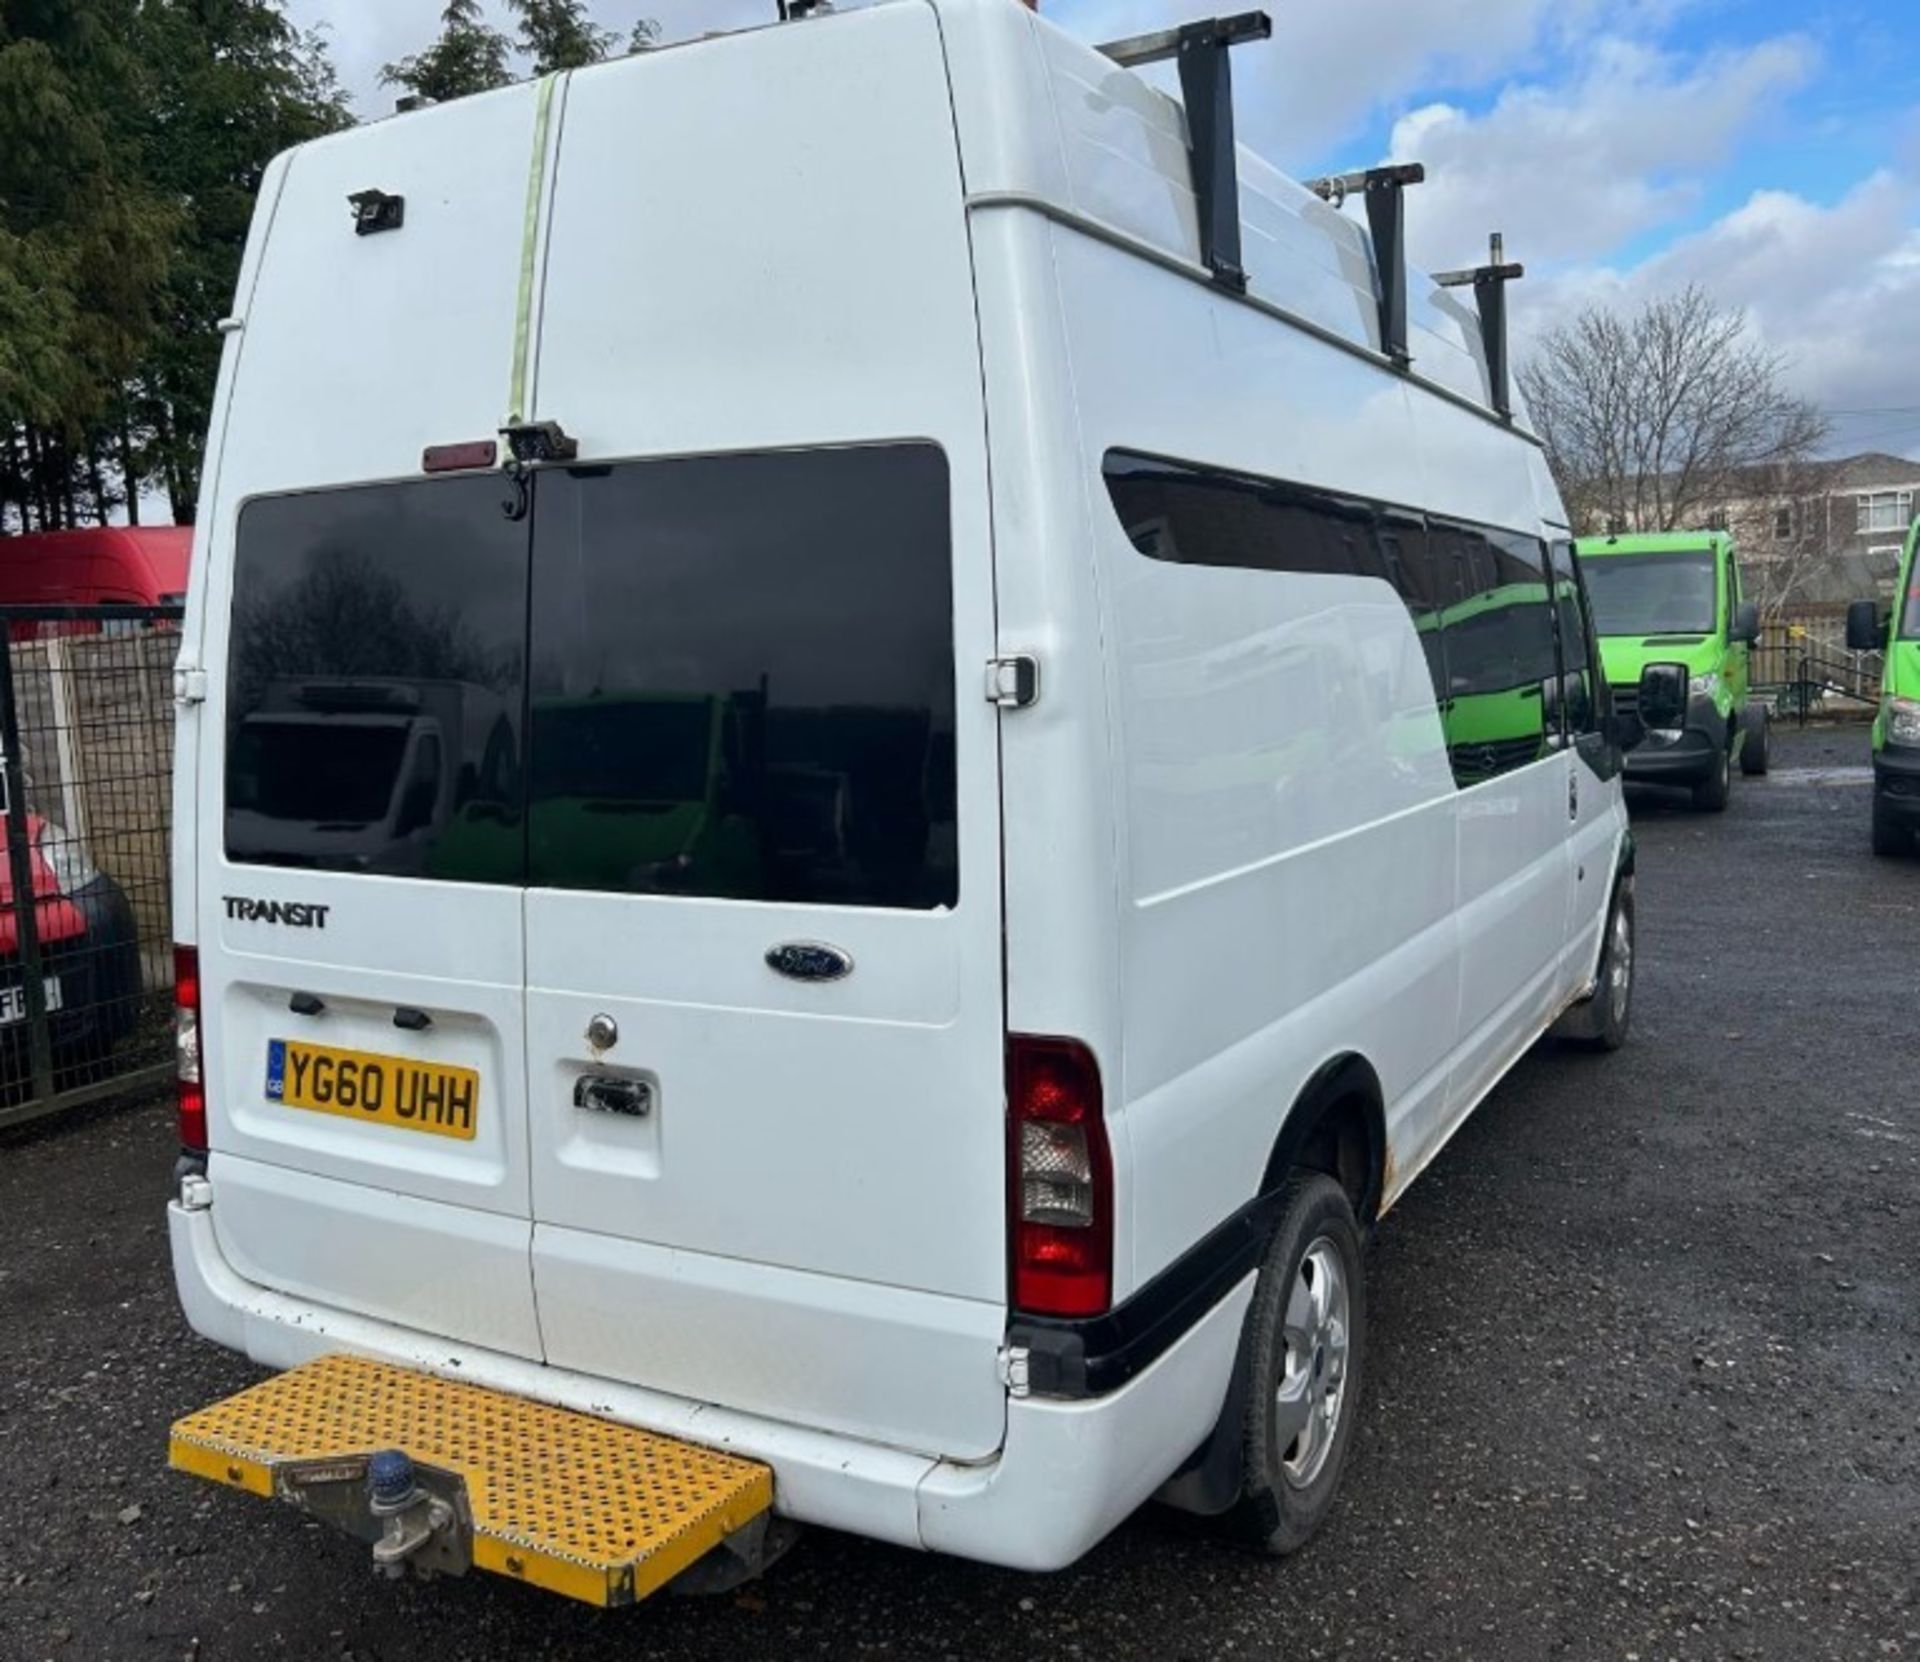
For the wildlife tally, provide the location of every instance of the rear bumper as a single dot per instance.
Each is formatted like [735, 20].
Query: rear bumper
[1067, 1473]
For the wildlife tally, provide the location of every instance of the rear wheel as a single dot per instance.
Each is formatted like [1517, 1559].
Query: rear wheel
[1890, 835]
[1710, 795]
[1307, 1332]
[1755, 753]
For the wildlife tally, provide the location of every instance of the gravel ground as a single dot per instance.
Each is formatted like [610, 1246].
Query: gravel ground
[1643, 1387]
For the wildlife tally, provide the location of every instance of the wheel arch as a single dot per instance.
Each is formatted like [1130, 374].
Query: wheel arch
[1336, 1124]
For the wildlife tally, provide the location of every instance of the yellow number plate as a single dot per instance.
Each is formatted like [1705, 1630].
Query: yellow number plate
[384, 1090]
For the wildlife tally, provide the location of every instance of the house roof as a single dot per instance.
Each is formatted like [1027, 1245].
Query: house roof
[1870, 470]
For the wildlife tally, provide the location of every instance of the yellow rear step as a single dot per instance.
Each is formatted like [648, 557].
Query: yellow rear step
[599, 1512]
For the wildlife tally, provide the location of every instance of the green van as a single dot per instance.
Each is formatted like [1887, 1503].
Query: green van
[1896, 729]
[1672, 601]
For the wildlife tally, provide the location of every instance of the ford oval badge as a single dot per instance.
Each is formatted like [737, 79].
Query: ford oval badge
[809, 961]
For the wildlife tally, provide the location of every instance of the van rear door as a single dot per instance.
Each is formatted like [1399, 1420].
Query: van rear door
[357, 838]
[764, 1006]
[362, 967]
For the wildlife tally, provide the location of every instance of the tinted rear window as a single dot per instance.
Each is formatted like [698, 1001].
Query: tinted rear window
[743, 679]
[376, 689]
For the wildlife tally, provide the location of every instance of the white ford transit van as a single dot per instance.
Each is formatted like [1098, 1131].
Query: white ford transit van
[871, 747]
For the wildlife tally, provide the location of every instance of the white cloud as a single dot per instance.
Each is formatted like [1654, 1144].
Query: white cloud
[1330, 67]
[1573, 170]
[1834, 288]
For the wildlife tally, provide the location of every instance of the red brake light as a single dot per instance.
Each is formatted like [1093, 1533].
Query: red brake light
[1060, 1173]
[186, 1043]
[457, 458]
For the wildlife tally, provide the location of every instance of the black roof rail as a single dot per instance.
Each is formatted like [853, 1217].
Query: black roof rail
[1385, 191]
[1489, 285]
[1206, 84]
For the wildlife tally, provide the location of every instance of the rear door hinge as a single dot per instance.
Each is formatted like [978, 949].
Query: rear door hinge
[1016, 1370]
[189, 686]
[1013, 682]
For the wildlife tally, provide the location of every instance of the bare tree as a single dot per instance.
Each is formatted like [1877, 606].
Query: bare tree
[1780, 515]
[1653, 420]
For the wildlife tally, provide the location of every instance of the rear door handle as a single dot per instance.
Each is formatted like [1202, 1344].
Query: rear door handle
[630, 1098]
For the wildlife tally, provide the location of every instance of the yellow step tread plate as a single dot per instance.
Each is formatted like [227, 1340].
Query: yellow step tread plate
[600, 1512]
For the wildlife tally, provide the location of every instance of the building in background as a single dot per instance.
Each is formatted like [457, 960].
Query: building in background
[1814, 535]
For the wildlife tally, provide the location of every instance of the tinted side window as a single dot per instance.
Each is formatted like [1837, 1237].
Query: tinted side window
[1579, 654]
[1422, 569]
[1209, 517]
[1214, 518]
[743, 679]
[376, 682]
[1500, 652]
[1479, 599]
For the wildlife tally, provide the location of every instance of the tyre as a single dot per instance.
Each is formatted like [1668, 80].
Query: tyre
[1307, 1330]
[1601, 1022]
[1890, 835]
[1755, 754]
[1710, 795]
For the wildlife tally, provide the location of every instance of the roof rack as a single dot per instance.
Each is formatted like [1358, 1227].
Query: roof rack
[1206, 84]
[1385, 191]
[1489, 285]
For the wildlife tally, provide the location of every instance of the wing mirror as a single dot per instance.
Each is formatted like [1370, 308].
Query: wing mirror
[1866, 628]
[1746, 623]
[1663, 696]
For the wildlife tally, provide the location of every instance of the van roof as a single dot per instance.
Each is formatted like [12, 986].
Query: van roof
[1050, 122]
[1653, 542]
[1047, 117]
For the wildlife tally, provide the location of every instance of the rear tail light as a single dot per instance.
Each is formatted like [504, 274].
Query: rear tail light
[186, 1046]
[1061, 1179]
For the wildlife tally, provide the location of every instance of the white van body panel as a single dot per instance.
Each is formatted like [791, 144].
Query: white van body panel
[884, 1088]
[1224, 848]
[322, 335]
[191, 665]
[1217, 868]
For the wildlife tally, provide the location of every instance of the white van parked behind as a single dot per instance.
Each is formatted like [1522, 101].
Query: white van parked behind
[983, 792]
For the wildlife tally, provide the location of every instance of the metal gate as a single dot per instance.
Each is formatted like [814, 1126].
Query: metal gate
[1803, 664]
[86, 763]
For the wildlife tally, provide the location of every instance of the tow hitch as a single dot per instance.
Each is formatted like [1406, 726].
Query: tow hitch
[411, 1515]
[440, 1477]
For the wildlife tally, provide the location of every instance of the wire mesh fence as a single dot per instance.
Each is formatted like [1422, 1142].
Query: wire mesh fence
[86, 761]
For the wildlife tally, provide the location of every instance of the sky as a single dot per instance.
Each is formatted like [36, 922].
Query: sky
[1769, 151]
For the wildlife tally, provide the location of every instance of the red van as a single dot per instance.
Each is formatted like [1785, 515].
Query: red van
[103, 566]
[86, 928]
